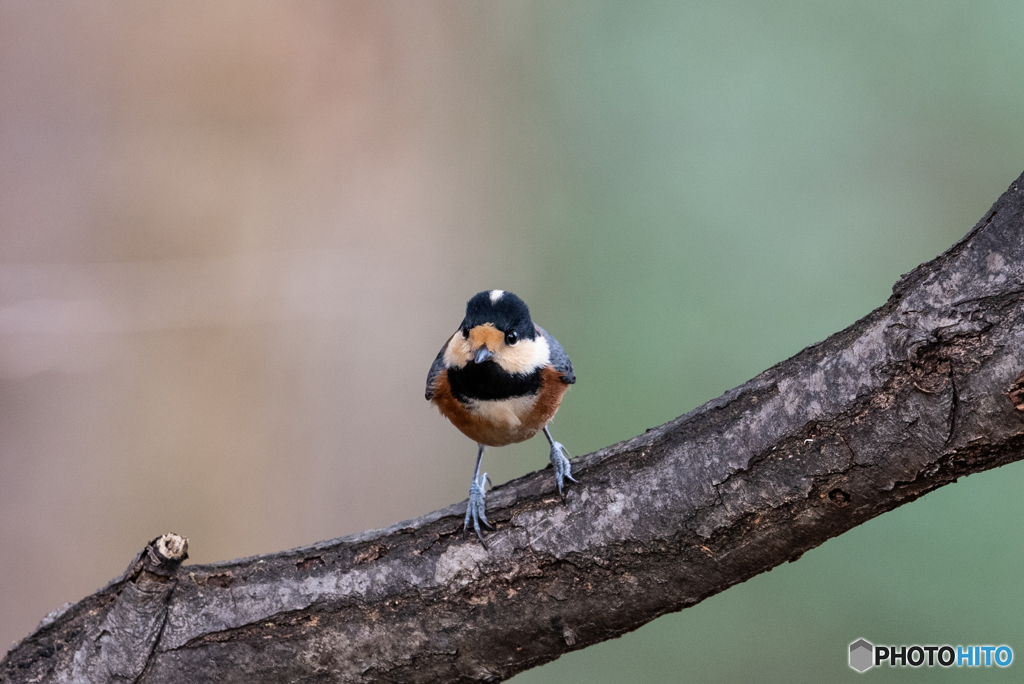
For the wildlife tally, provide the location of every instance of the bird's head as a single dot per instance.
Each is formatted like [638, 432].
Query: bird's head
[497, 329]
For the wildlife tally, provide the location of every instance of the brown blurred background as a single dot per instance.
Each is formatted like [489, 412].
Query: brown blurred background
[234, 234]
[232, 237]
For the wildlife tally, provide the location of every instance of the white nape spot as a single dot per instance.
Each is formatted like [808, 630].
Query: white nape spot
[496, 295]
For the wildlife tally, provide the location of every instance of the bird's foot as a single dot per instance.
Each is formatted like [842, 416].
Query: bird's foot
[475, 512]
[563, 469]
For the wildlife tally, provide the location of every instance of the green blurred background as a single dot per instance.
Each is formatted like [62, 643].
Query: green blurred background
[234, 234]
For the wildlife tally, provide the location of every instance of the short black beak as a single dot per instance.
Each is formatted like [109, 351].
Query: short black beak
[483, 354]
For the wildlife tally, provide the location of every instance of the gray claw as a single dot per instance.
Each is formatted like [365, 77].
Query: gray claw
[475, 510]
[563, 469]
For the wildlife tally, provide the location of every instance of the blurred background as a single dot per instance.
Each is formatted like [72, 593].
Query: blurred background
[234, 234]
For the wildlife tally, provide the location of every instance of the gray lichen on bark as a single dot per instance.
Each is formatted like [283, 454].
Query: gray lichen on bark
[922, 391]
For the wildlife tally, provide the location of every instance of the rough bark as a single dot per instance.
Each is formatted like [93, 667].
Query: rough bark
[922, 391]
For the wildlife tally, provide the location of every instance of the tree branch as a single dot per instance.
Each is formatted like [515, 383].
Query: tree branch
[924, 390]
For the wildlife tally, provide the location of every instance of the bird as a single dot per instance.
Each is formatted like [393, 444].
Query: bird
[499, 379]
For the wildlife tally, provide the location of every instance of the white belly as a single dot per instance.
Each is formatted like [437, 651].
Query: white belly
[503, 412]
[504, 418]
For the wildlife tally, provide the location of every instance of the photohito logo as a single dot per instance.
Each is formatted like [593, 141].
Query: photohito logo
[864, 655]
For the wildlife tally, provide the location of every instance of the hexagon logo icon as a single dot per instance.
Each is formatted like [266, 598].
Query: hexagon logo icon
[861, 655]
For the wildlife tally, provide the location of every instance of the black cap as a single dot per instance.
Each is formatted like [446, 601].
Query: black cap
[503, 310]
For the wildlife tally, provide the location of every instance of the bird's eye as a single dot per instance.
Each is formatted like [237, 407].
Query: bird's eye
[511, 337]
[465, 332]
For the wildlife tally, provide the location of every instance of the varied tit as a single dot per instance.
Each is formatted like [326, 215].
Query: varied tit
[500, 379]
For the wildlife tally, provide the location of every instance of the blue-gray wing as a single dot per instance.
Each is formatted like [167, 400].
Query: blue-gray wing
[558, 358]
[435, 370]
